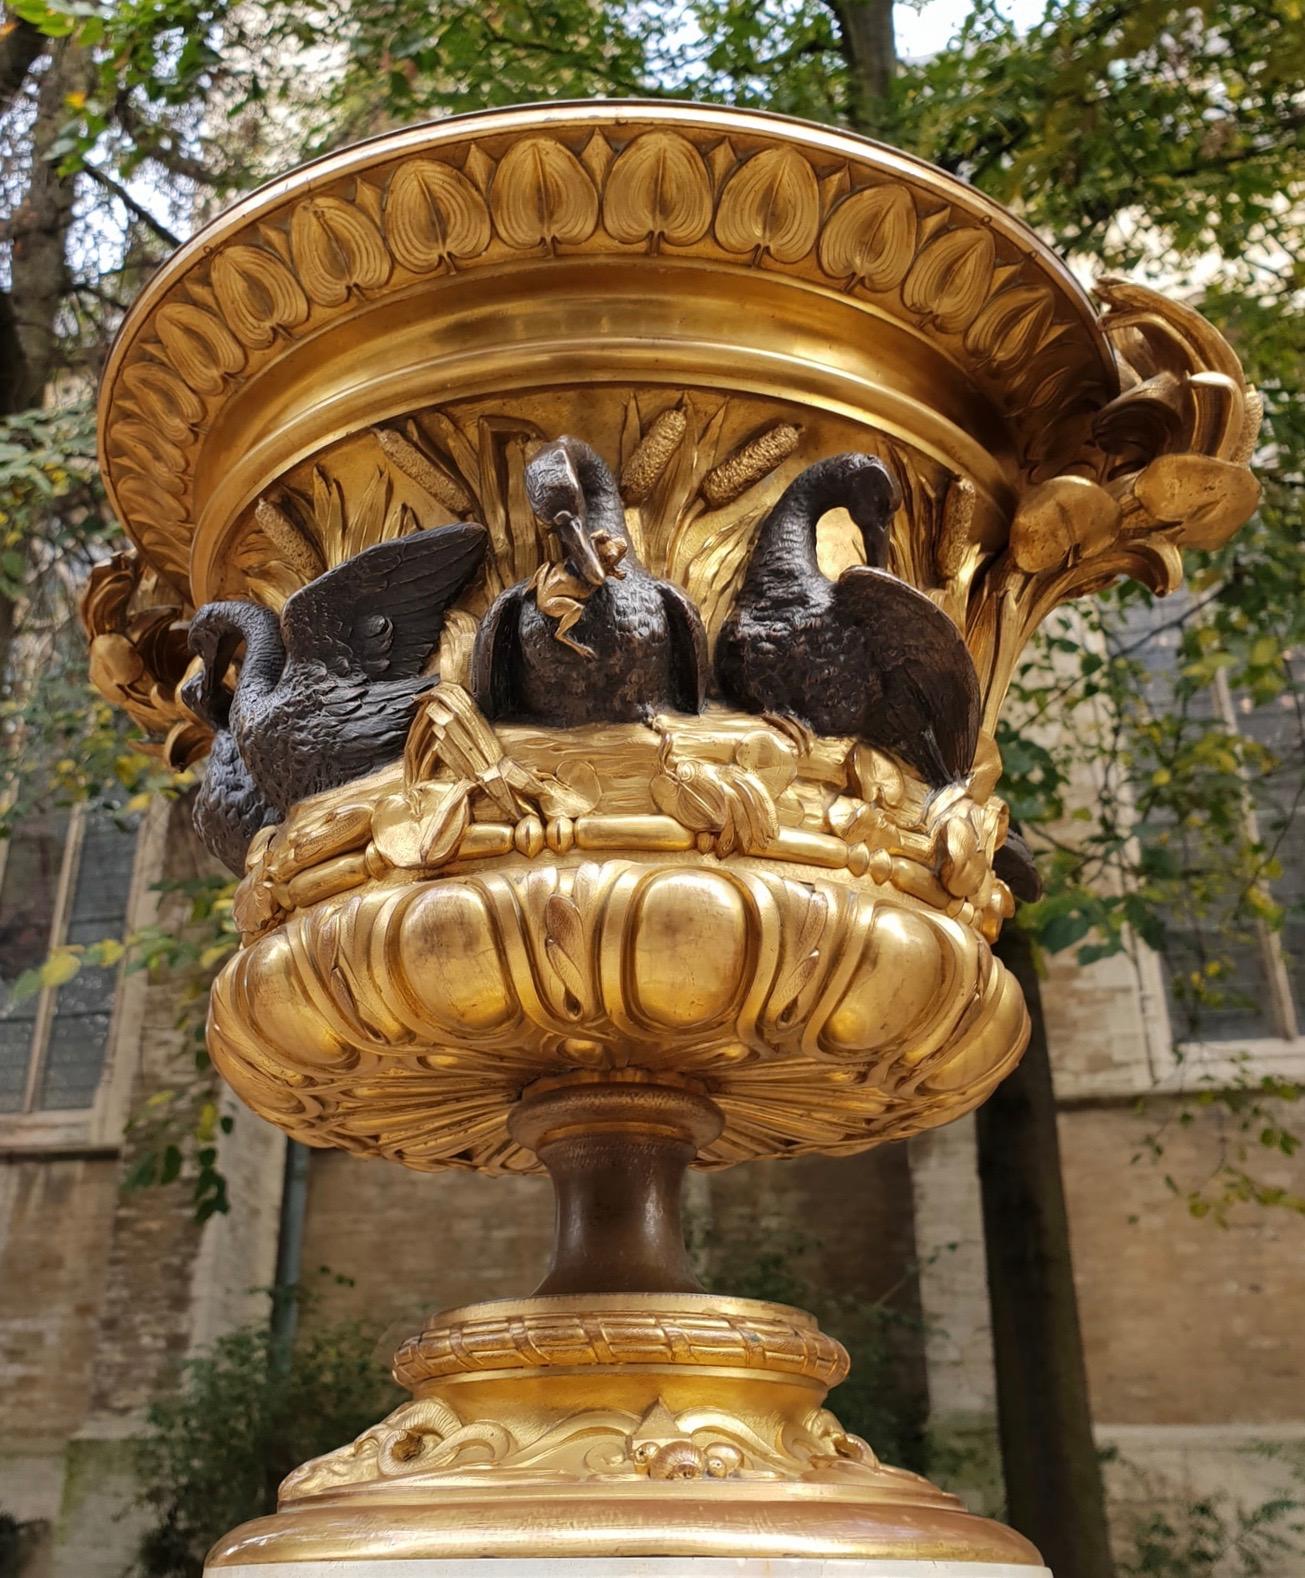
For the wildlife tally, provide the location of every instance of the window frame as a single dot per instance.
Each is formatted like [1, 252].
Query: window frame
[1221, 1064]
[101, 1124]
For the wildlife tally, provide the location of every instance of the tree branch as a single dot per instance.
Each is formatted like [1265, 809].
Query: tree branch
[869, 48]
[154, 142]
[110, 184]
[573, 57]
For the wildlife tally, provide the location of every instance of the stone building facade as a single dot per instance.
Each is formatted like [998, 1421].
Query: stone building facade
[1195, 1345]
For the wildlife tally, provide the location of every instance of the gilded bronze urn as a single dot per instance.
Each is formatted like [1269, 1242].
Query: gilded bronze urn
[616, 526]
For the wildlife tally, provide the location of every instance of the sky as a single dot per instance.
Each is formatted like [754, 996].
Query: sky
[924, 28]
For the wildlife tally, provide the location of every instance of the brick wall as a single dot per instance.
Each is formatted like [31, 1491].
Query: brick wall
[1185, 1322]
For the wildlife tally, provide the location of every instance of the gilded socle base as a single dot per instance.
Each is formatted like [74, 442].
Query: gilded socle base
[618, 1426]
[620, 1423]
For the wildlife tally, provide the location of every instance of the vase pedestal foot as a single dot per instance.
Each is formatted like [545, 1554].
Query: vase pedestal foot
[620, 1417]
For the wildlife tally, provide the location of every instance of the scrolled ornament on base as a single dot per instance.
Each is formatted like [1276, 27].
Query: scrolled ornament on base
[611, 762]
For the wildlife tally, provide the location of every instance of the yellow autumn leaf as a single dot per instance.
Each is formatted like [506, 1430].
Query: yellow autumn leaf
[60, 967]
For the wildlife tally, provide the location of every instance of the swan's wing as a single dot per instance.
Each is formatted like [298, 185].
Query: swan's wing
[932, 705]
[381, 612]
[496, 658]
[688, 648]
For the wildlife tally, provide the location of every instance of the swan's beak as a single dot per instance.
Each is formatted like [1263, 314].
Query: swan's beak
[876, 498]
[205, 693]
[576, 550]
[192, 693]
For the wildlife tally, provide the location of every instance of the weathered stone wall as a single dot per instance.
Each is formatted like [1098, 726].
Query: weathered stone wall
[105, 1290]
[1185, 1323]
[1195, 1346]
[55, 1221]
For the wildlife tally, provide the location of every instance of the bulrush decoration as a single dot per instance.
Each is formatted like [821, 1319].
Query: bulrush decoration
[642, 826]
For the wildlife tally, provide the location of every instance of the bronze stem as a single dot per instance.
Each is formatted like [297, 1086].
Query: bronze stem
[617, 1154]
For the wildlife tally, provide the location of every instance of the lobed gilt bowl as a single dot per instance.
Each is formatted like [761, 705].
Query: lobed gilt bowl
[705, 901]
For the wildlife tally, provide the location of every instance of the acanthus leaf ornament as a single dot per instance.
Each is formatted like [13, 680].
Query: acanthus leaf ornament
[138, 655]
[202, 348]
[770, 207]
[1208, 498]
[164, 400]
[1007, 328]
[951, 277]
[258, 294]
[543, 196]
[871, 237]
[337, 249]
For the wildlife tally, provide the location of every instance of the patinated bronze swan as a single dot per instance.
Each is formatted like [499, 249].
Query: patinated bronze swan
[593, 637]
[326, 692]
[228, 808]
[865, 655]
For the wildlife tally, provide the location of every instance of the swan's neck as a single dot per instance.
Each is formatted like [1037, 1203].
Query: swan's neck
[260, 630]
[603, 508]
[785, 550]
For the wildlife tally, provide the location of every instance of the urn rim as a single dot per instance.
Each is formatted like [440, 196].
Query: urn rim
[234, 376]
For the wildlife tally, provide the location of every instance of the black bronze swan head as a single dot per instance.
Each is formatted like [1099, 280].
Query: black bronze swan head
[592, 637]
[326, 692]
[228, 807]
[586, 529]
[865, 655]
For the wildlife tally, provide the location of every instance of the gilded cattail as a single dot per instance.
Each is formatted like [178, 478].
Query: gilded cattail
[748, 464]
[289, 542]
[954, 533]
[656, 447]
[426, 473]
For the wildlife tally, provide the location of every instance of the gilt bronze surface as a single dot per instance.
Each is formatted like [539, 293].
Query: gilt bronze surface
[634, 515]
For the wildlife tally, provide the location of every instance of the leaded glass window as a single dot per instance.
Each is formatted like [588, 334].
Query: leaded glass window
[66, 880]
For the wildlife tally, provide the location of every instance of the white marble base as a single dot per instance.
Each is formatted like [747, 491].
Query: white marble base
[631, 1567]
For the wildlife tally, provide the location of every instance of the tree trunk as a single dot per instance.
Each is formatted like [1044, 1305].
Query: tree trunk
[870, 50]
[38, 236]
[20, 44]
[1054, 1488]
[39, 228]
